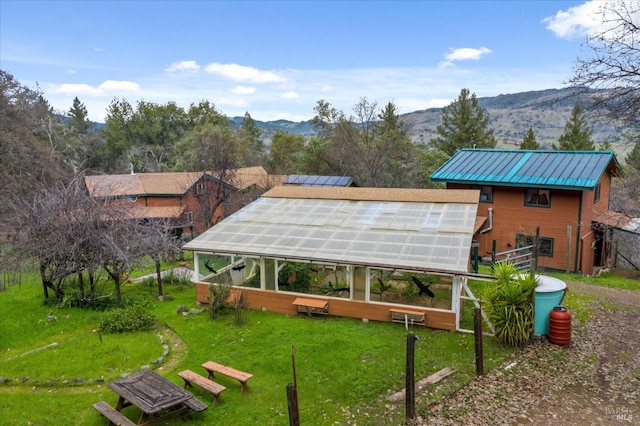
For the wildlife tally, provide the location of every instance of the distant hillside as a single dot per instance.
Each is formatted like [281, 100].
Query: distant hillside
[547, 111]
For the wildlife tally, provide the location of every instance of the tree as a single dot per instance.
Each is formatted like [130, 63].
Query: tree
[252, 147]
[286, 153]
[606, 146]
[464, 125]
[529, 141]
[633, 158]
[213, 148]
[371, 145]
[79, 123]
[430, 161]
[161, 244]
[50, 227]
[26, 156]
[576, 135]
[613, 63]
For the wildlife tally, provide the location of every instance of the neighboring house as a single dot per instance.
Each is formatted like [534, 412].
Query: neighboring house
[178, 197]
[561, 192]
[315, 180]
[192, 201]
[245, 185]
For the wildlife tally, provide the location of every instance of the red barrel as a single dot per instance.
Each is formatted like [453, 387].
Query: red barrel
[559, 326]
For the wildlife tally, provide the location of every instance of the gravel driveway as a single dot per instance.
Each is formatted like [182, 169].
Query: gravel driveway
[595, 380]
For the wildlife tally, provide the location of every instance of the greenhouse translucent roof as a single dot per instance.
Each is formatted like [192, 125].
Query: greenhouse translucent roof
[427, 230]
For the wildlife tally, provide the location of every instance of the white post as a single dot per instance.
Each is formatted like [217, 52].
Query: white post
[196, 266]
[456, 287]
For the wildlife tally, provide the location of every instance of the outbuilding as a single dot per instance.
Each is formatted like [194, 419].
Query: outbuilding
[358, 242]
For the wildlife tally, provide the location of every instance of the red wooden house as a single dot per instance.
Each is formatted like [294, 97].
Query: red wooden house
[562, 192]
[192, 201]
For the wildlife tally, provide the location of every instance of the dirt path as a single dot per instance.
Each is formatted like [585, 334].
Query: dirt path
[595, 380]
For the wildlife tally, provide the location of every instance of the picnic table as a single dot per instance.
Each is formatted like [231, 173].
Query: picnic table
[158, 398]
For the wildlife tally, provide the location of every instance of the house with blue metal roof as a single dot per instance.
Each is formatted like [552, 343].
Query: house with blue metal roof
[559, 192]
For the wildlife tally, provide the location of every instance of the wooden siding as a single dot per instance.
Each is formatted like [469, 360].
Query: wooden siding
[282, 302]
[512, 217]
[575, 209]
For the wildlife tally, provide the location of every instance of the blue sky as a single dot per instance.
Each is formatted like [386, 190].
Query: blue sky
[277, 59]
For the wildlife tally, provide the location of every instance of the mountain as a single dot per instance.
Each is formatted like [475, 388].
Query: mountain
[510, 115]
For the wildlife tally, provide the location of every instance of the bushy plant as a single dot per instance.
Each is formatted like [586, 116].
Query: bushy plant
[509, 304]
[218, 298]
[180, 280]
[131, 317]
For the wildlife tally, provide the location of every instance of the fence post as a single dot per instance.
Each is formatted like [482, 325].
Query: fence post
[410, 391]
[493, 252]
[477, 334]
[568, 249]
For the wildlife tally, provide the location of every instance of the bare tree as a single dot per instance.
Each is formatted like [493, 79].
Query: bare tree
[48, 227]
[614, 63]
[161, 244]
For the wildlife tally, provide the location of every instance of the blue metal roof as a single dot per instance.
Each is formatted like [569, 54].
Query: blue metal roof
[548, 169]
[315, 180]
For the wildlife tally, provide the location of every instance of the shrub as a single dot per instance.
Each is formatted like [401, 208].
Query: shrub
[132, 317]
[218, 298]
[509, 304]
[178, 279]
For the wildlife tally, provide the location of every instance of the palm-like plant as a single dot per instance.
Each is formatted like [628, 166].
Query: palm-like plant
[509, 304]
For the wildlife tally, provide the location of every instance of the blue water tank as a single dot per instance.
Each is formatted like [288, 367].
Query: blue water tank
[549, 294]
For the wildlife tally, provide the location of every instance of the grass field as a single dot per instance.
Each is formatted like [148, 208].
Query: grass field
[345, 367]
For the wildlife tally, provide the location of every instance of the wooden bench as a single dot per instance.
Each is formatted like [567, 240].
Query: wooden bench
[114, 416]
[241, 376]
[404, 316]
[312, 306]
[195, 404]
[191, 378]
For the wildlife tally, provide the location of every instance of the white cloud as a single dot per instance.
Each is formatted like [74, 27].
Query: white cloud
[119, 86]
[243, 90]
[576, 21]
[237, 72]
[97, 49]
[185, 66]
[105, 89]
[466, 53]
[76, 89]
[232, 102]
[71, 71]
[290, 95]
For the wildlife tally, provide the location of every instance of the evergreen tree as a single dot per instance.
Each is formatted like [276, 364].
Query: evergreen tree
[464, 125]
[606, 146]
[79, 124]
[633, 157]
[577, 135]
[253, 149]
[529, 141]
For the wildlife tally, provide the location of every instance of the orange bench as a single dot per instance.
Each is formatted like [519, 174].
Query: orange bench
[191, 378]
[312, 306]
[241, 376]
[406, 315]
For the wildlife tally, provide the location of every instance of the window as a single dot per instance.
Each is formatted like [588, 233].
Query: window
[537, 197]
[546, 244]
[486, 193]
[200, 188]
[188, 218]
[596, 194]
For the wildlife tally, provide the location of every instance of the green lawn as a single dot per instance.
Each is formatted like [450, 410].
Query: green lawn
[345, 367]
